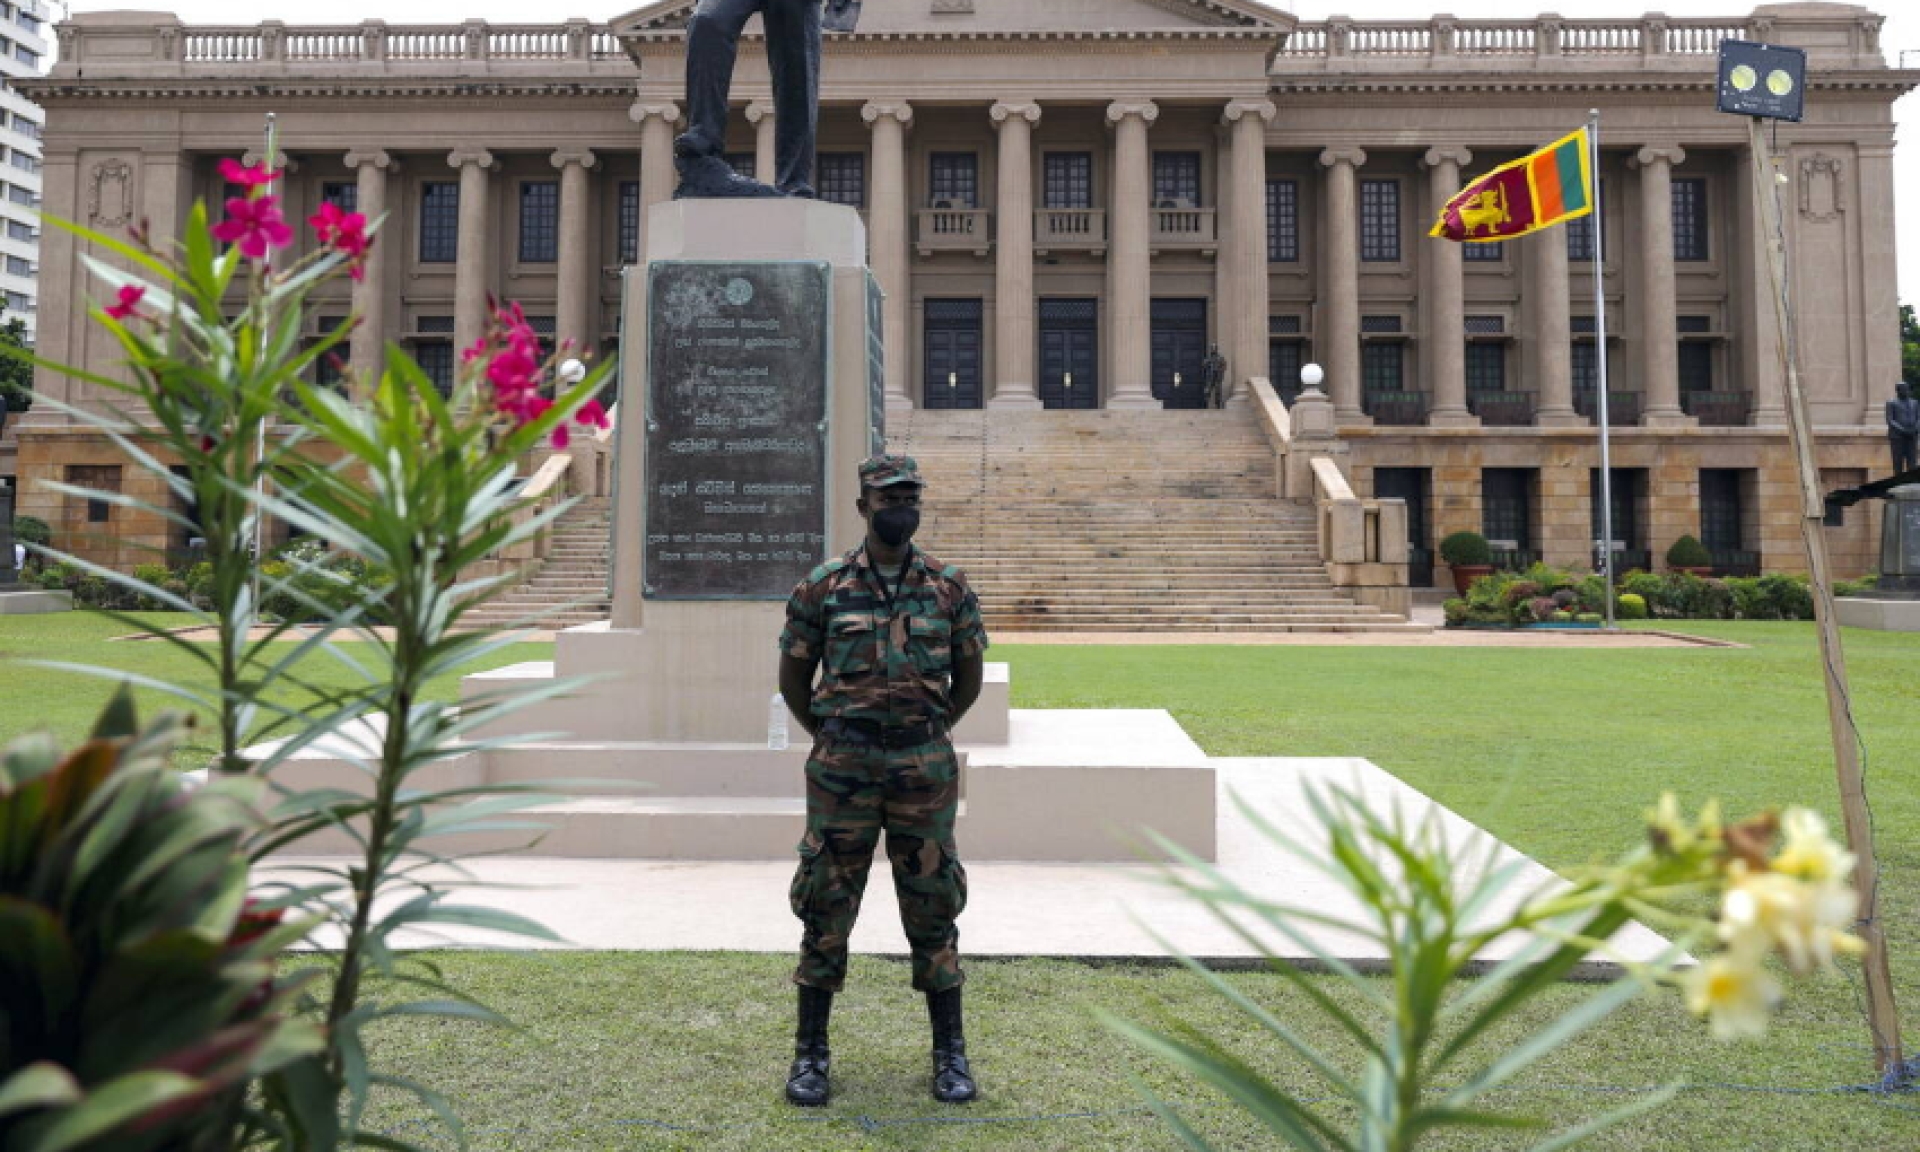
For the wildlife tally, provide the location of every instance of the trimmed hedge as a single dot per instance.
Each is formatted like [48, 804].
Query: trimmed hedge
[1545, 593]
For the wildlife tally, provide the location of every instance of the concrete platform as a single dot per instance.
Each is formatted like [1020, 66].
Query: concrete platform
[1878, 614]
[33, 601]
[1015, 909]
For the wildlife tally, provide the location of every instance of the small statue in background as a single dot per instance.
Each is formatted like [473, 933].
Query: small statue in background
[1903, 429]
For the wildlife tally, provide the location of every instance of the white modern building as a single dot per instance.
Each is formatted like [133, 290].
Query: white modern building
[23, 53]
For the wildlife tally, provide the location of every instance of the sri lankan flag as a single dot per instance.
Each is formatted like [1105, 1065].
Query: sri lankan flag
[1534, 192]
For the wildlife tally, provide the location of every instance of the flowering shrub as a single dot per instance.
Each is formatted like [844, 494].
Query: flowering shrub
[1425, 905]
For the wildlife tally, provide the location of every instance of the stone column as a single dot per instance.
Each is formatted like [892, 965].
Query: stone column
[1129, 321]
[1340, 354]
[657, 173]
[577, 271]
[64, 291]
[1659, 339]
[1443, 343]
[367, 346]
[475, 265]
[1552, 330]
[1759, 341]
[1245, 246]
[1014, 346]
[887, 238]
[760, 115]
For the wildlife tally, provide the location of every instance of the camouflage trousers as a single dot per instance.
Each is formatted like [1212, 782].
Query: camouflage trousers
[854, 792]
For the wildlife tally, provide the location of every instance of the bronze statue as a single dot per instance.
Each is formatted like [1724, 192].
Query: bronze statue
[793, 30]
[1213, 377]
[1903, 429]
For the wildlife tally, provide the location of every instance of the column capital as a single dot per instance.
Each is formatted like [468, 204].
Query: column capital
[758, 110]
[582, 156]
[640, 112]
[1237, 110]
[254, 157]
[374, 157]
[875, 110]
[1146, 110]
[1447, 154]
[1651, 155]
[467, 154]
[1005, 110]
[1351, 156]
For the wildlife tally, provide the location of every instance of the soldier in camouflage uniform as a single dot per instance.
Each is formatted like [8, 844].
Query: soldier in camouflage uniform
[901, 640]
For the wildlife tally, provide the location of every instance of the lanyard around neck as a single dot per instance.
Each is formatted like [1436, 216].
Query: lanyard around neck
[891, 595]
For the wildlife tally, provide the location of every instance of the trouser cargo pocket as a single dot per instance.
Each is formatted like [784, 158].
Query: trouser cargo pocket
[804, 893]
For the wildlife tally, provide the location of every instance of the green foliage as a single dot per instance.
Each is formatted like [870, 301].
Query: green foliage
[1909, 346]
[31, 530]
[1860, 587]
[141, 997]
[1632, 607]
[1688, 552]
[16, 371]
[1466, 550]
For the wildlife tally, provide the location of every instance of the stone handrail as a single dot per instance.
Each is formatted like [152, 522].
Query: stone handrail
[1277, 423]
[546, 487]
[130, 44]
[1362, 542]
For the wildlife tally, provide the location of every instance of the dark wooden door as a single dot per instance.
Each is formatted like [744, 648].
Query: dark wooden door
[1069, 353]
[952, 342]
[1179, 348]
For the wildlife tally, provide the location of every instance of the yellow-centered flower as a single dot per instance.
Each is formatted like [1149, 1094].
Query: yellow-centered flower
[1734, 992]
[1810, 853]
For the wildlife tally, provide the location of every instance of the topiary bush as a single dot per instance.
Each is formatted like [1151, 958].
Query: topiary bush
[32, 530]
[1466, 550]
[1632, 607]
[1687, 552]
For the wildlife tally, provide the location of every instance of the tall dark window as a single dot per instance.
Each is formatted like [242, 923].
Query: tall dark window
[842, 178]
[1580, 232]
[1067, 180]
[539, 221]
[435, 358]
[629, 222]
[439, 223]
[1176, 179]
[1720, 510]
[1696, 356]
[100, 478]
[1628, 483]
[955, 179]
[1586, 366]
[342, 195]
[1283, 221]
[1483, 253]
[1380, 220]
[1486, 366]
[1382, 366]
[1285, 358]
[1506, 511]
[1690, 219]
[1412, 486]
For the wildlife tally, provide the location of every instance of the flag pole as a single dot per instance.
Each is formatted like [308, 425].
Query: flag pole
[1602, 400]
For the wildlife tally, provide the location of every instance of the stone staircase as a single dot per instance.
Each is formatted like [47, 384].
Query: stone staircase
[575, 573]
[1123, 521]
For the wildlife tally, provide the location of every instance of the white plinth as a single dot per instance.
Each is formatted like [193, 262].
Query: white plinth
[33, 602]
[1877, 614]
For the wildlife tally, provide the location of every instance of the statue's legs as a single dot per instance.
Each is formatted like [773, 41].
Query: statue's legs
[793, 60]
[1905, 449]
[713, 41]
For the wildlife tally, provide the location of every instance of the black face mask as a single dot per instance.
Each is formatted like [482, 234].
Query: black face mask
[896, 526]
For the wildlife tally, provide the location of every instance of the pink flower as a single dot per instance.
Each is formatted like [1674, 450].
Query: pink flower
[559, 439]
[234, 172]
[344, 232]
[592, 415]
[129, 300]
[255, 226]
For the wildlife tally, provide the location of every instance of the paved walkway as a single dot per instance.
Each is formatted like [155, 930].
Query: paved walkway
[1014, 909]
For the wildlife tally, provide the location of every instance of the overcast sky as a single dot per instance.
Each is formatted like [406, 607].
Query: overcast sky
[1902, 32]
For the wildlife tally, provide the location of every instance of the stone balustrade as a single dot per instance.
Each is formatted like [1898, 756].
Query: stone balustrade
[133, 43]
[953, 229]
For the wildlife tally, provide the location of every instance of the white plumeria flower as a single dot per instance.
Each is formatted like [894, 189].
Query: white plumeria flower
[1806, 922]
[1734, 992]
[1810, 853]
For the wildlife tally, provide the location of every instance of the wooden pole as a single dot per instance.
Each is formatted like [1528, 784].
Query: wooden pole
[1883, 1017]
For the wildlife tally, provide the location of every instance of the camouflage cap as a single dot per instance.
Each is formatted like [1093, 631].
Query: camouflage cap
[885, 471]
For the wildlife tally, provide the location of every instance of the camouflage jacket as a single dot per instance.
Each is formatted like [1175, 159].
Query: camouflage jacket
[893, 668]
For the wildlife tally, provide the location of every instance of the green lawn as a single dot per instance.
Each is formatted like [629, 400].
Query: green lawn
[1557, 752]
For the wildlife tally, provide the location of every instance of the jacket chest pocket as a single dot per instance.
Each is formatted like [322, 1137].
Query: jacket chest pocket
[930, 644]
[852, 645]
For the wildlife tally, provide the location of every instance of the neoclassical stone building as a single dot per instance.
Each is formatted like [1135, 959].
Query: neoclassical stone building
[1068, 201]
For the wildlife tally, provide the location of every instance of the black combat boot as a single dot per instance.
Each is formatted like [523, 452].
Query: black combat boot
[952, 1077]
[807, 1079]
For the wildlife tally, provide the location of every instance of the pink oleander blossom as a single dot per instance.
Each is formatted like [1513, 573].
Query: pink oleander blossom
[128, 301]
[344, 232]
[258, 176]
[514, 369]
[254, 226]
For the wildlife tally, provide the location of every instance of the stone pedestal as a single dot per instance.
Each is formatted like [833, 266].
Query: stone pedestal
[717, 438]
